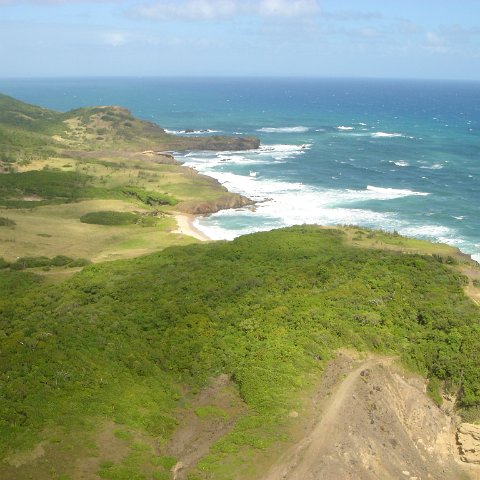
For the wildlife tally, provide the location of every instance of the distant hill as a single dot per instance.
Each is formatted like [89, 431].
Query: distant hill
[29, 132]
[59, 167]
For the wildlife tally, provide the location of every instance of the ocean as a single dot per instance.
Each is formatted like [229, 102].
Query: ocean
[395, 155]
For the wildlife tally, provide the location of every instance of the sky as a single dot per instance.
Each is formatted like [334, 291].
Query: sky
[438, 39]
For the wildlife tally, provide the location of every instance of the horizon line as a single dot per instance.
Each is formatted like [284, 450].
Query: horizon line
[235, 77]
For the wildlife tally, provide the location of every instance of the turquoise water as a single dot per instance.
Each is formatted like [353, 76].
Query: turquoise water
[396, 155]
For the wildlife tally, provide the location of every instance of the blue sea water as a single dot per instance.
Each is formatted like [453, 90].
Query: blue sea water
[396, 155]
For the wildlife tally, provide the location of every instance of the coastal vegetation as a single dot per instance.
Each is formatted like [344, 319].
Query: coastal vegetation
[114, 218]
[60, 167]
[101, 362]
[121, 341]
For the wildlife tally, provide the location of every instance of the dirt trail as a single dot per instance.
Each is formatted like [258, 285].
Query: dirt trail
[377, 424]
[299, 461]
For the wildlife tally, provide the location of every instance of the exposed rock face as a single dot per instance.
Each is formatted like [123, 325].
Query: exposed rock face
[372, 423]
[468, 440]
[212, 206]
[160, 157]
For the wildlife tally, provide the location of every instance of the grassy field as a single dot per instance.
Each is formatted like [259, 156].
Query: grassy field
[57, 230]
[58, 167]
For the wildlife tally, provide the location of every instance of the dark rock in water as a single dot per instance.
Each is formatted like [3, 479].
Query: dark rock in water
[219, 143]
[189, 130]
[208, 142]
[224, 201]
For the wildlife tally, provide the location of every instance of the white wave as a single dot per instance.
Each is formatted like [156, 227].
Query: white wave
[299, 129]
[435, 166]
[394, 192]
[209, 162]
[194, 132]
[282, 203]
[343, 128]
[476, 257]
[386, 135]
[428, 231]
[401, 163]
[284, 148]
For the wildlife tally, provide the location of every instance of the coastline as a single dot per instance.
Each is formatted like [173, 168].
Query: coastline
[185, 226]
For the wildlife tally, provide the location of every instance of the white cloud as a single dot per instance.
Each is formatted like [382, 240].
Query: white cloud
[225, 9]
[351, 15]
[433, 39]
[435, 43]
[189, 10]
[115, 39]
[288, 8]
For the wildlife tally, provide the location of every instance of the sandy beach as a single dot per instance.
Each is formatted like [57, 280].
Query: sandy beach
[185, 227]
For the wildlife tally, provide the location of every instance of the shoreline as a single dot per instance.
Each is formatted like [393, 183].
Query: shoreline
[185, 226]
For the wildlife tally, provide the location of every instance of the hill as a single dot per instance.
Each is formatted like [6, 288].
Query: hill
[58, 167]
[28, 132]
[123, 369]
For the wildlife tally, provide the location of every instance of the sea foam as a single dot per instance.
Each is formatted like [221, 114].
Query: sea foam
[435, 166]
[299, 129]
[394, 192]
[476, 257]
[282, 203]
[194, 132]
[386, 135]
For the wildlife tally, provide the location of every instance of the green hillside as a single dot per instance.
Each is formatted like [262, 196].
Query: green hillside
[29, 132]
[127, 345]
[55, 168]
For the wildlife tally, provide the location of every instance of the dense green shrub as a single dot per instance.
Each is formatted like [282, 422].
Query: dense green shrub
[148, 197]
[267, 309]
[3, 263]
[6, 222]
[30, 262]
[46, 184]
[43, 262]
[109, 218]
[61, 261]
[118, 218]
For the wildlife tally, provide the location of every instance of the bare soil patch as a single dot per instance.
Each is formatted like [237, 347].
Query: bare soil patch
[211, 415]
[375, 423]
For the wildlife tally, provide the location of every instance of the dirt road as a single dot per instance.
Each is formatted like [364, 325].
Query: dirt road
[377, 424]
[299, 461]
